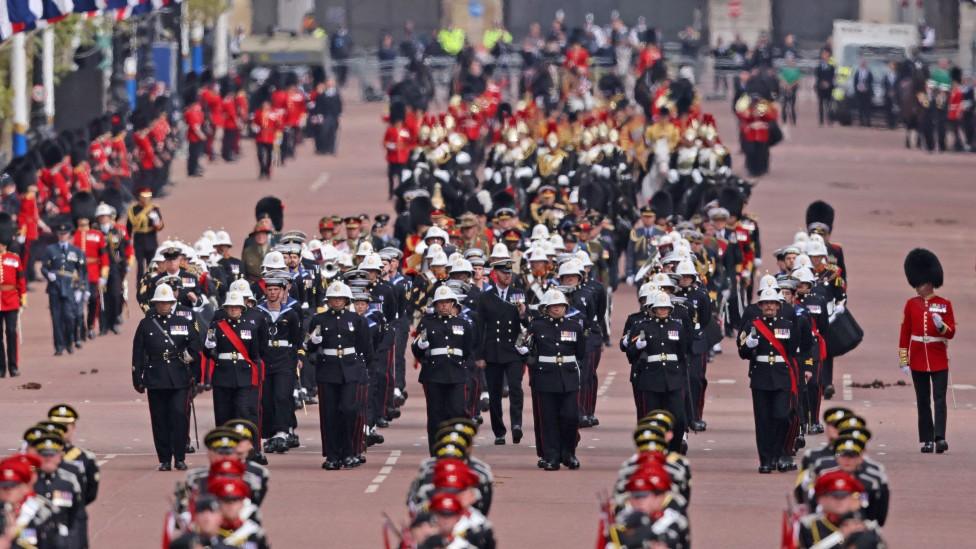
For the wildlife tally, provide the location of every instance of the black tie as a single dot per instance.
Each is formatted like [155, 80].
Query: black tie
[502, 294]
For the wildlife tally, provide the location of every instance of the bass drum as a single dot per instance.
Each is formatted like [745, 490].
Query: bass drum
[845, 334]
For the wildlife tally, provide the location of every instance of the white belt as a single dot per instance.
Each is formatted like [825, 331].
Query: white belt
[446, 351]
[279, 343]
[663, 357]
[765, 358]
[230, 356]
[340, 352]
[557, 359]
[928, 339]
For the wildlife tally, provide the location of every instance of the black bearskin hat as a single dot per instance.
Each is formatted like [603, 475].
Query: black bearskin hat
[501, 200]
[8, 229]
[662, 204]
[820, 212]
[731, 199]
[83, 205]
[923, 266]
[51, 153]
[272, 208]
[420, 209]
[398, 111]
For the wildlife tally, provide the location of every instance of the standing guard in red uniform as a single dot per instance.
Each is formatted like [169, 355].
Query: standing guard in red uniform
[13, 296]
[196, 136]
[267, 129]
[213, 108]
[232, 125]
[397, 142]
[926, 328]
[91, 241]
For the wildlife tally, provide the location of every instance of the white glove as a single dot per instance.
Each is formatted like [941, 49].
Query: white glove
[724, 170]
[640, 343]
[423, 344]
[937, 320]
[536, 182]
[839, 309]
[210, 344]
[52, 277]
[488, 173]
[752, 342]
[624, 342]
[523, 172]
[497, 178]
[102, 281]
[443, 175]
[522, 350]
[672, 176]
[315, 338]
[906, 370]
[630, 280]
[757, 262]
[696, 176]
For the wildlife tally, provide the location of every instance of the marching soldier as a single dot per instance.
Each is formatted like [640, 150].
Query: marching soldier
[34, 514]
[381, 339]
[699, 306]
[927, 326]
[13, 296]
[119, 251]
[770, 343]
[555, 346]
[143, 222]
[444, 341]
[64, 267]
[838, 523]
[233, 495]
[647, 519]
[166, 363]
[832, 288]
[60, 487]
[255, 473]
[502, 314]
[339, 342]
[92, 243]
[816, 308]
[657, 347]
[233, 343]
[83, 460]
[281, 362]
[584, 309]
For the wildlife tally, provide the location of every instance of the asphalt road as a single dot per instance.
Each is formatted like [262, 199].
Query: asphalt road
[888, 200]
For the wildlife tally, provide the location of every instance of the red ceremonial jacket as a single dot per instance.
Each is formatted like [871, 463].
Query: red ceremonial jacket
[397, 144]
[921, 343]
[13, 281]
[92, 242]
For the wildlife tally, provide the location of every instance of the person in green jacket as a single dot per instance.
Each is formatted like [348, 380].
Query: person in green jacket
[789, 76]
[497, 35]
[451, 40]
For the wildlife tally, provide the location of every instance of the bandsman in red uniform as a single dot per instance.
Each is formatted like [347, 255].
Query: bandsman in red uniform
[267, 134]
[196, 135]
[397, 142]
[91, 241]
[13, 296]
[756, 117]
[926, 328]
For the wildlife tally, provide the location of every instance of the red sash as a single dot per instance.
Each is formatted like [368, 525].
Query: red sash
[822, 343]
[241, 350]
[764, 330]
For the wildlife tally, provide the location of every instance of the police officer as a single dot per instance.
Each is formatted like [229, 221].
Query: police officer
[284, 342]
[166, 363]
[444, 341]
[658, 350]
[64, 267]
[502, 311]
[769, 343]
[59, 486]
[233, 343]
[84, 460]
[339, 342]
[556, 346]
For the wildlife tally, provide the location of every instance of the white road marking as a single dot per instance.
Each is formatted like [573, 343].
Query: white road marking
[605, 386]
[384, 471]
[319, 182]
[725, 381]
[963, 387]
[847, 391]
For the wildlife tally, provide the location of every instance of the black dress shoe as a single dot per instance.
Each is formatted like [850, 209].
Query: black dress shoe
[828, 392]
[382, 423]
[180, 466]
[164, 466]
[394, 414]
[697, 426]
[500, 441]
[541, 464]
[594, 421]
[58, 352]
[260, 459]
[765, 469]
[816, 429]
[351, 462]
[331, 465]
[551, 466]
[516, 434]
[71, 349]
[585, 423]
[571, 462]
[941, 446]
[784, 465]
[291, 440]
[478, 420]
[800, 442]
[374, 438]
[927, 448]
[3, 373]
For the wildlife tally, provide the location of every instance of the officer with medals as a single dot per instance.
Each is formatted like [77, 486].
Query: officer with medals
[60, 487]
[381, 339]
[281, 356]
[817, 314]
[34, 514]
[84, 460]
[769, 343]
[65, 269]
[165, 363]
[699, 306]
[339, 343]
[554, 347]
[234, 346]
[444, 341]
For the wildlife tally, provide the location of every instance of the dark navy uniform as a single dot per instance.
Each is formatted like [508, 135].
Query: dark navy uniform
[236, 380]
[341, 360]
[401, 287]
[816, 309]
[584, 307]
[40, 527]
[499, 327]
[558, 349]
[382, 339]
[442, 367]
[700, 309]
[773, 382]
[284, 341]
[66, 271]
[61, 488]
[659, 370]
[189, 283]
[159, 348]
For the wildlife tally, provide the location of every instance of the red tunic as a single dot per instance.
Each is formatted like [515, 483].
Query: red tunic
[13, 281]
[397, 144]
[577, 57]
[194, 123]
[120, 156]
[211, 99]
[146, 152]
[230, 114]
[295, 110]
[955, 103]
[268, 122]
[924, 346]
[755, 126]
[92, 242]
[28, 218]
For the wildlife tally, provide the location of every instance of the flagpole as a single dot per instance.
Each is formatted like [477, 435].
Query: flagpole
[48, 73]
